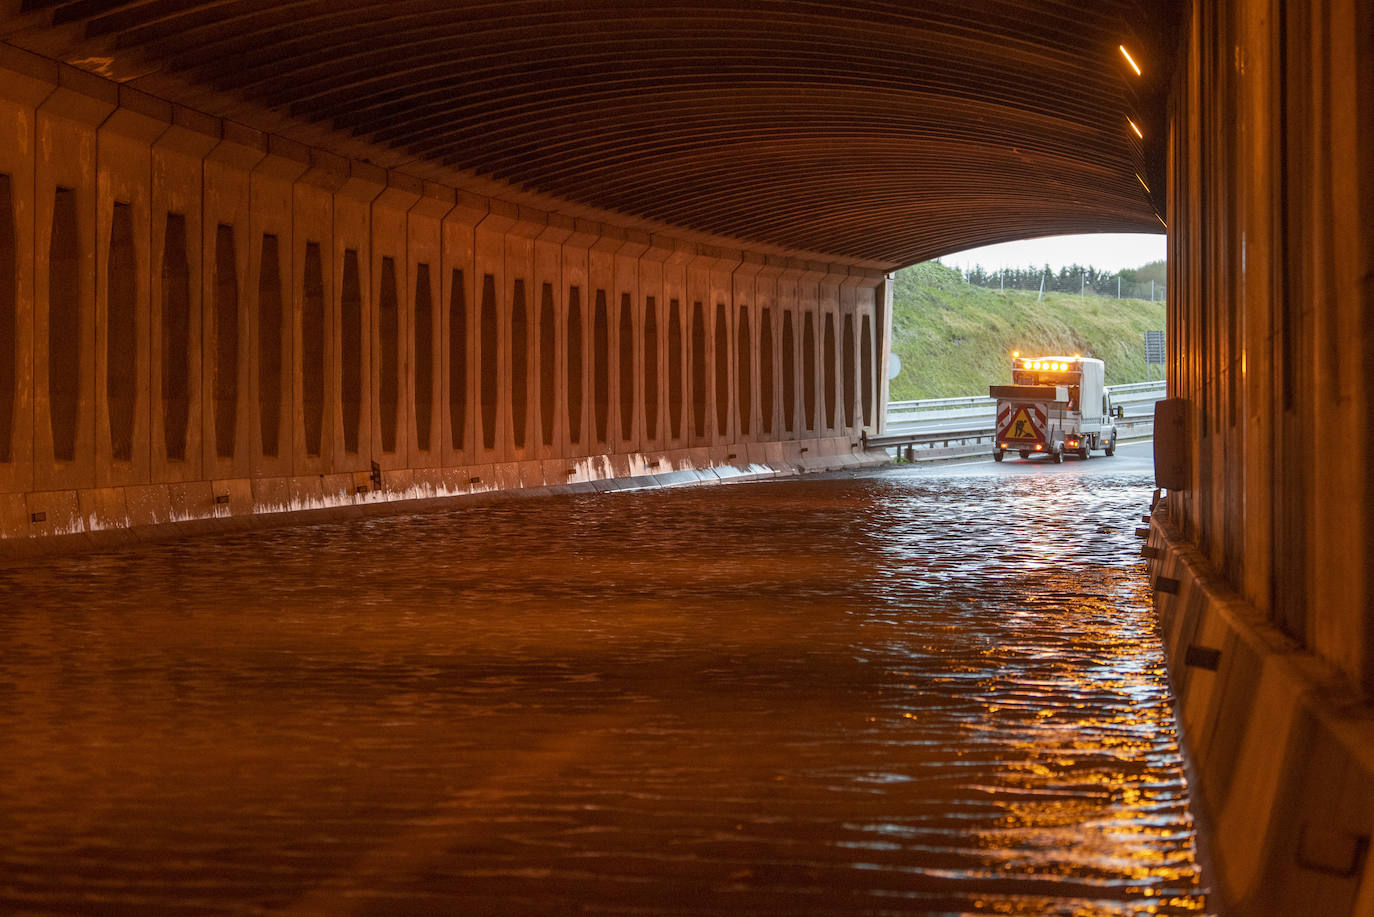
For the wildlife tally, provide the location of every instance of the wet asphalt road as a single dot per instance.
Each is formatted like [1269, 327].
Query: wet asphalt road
[922, 690]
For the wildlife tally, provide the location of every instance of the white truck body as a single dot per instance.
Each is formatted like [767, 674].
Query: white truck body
[1055, 405]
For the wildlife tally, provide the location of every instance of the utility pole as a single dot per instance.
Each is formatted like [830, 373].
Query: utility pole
[1152, 291]
[1042, 288]
[1118, 286]
[1083, 284]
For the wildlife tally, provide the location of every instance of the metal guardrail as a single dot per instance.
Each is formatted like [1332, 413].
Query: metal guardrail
[970, 436]
[918, 423]
[945, 410]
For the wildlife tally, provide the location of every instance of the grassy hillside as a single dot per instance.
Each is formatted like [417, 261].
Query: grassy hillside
[956, 339]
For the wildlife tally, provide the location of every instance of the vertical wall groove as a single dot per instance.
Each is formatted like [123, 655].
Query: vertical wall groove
[866, 378]
[487, 363]
[744, 370]
[789, 369]
[698, 370]
[9, 320]
[176, 338]
[548, 364]
[766, 395]
[847, 365]
[575, 381]
[828, 367]
[272, 339]
[650, 369]
[423, 322]
[519, 364]
[64, 325]
[312, 349]
[388, 358]
[675, 368]
[351, 349]
[226, 369]
[457, 360]
[601, 355]
[809, 380]
[626, 365]
[121, 332]
[722, 356]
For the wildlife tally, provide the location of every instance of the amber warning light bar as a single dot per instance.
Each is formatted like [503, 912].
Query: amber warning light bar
[1048, 365]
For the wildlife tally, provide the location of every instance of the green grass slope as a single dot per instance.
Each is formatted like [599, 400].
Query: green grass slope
[956, 339]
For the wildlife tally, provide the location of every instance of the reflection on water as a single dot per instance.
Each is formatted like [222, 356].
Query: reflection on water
[899, 693]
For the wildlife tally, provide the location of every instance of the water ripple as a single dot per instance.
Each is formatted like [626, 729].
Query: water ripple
[892, 694]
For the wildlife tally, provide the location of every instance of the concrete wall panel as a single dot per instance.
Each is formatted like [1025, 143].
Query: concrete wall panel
[697, 315]
[390, 317]
[424, 339]
[812, 401]
[19, 95]
[519, 337]
[627, 326]
[352, 388]
[550, 338]
[313, 328]
[789, 355]
[676, 333]
[272, 282]
[575, 392]
[652, 310]
[226, 304]
[601, 320]
[721, 317]
[491, 325]
[458, 327]
[64, 281]
[176, 309]
[769, 365]
[123, 372]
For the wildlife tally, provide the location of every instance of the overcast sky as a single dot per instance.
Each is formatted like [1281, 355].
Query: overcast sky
[1108, 252]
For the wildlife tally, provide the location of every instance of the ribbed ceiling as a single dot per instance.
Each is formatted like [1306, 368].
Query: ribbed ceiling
[878, 132]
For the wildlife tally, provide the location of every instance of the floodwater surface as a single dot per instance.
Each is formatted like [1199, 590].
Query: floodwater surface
[917, 691]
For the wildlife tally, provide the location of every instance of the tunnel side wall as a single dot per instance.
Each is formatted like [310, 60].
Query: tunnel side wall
[1271, 233]
[200, 323]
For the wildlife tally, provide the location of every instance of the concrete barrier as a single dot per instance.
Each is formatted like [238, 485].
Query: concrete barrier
[1281, 747]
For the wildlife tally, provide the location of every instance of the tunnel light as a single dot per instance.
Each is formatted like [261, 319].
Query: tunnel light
[1143, 185]
[1130, 60]
[1135, 128]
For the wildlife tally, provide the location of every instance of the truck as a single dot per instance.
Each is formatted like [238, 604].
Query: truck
[1056, 405]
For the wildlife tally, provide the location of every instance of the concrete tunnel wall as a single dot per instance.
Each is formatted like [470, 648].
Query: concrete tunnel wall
[199, 321]
[1263, 562]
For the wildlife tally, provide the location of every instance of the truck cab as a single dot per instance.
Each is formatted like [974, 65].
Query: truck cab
[1056, 405]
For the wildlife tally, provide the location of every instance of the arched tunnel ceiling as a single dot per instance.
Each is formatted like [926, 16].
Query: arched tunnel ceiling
[881, 133]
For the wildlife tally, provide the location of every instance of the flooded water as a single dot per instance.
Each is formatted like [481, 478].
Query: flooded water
[917, 691]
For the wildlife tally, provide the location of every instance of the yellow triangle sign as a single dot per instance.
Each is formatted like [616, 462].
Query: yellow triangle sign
[1021, 427]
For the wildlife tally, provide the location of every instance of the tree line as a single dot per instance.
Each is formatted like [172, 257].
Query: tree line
[1145, 282]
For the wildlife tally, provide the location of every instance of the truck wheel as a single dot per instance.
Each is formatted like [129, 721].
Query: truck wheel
[1058, 456]
[1084, 452]
[1111, 446]
[997, 456]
